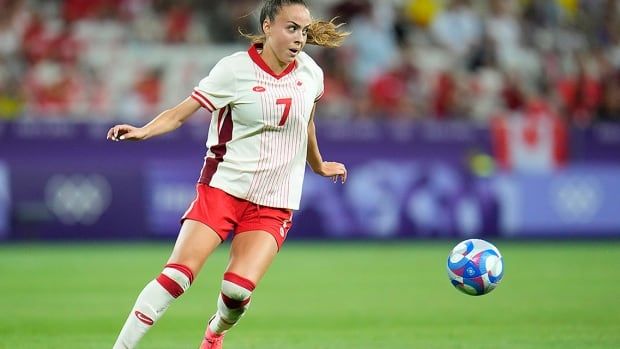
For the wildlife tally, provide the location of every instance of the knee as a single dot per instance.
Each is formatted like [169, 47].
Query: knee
[176, 279]
[236, 290]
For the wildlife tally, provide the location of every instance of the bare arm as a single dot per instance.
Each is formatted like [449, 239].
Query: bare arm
[313, 156]
[169, 120]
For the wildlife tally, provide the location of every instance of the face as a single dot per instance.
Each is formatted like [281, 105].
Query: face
[286, 35]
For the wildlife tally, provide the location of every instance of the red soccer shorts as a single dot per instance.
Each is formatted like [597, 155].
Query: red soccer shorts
[225, 213]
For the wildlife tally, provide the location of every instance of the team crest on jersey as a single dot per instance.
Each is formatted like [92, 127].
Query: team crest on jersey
[299, 83]
[259, 88]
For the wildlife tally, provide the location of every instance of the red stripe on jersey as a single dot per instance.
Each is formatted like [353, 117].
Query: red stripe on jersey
[240, 281]
[258, 60]
[220, 118]
[170, 285]
[219, 150]
[197, 99]
[233, 303]
[203, 100]
[183, 269]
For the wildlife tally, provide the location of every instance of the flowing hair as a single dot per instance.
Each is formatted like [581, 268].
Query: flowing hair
[321, 33]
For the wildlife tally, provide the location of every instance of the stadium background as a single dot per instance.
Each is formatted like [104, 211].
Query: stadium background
[457, 119]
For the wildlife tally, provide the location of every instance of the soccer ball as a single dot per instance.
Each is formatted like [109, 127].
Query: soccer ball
[475, 267]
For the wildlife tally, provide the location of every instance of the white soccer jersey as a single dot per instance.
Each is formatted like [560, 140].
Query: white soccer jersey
[259, 126]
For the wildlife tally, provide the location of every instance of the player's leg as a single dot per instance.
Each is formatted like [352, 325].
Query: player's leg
[260, 234]
[195, 243]
[251, 255]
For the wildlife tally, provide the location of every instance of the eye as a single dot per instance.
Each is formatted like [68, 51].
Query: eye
[305, 31]
[292, 29]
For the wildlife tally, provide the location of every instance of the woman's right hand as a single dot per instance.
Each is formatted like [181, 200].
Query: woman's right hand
[126, 133]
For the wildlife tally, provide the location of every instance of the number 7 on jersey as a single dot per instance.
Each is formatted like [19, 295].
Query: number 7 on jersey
[287, 109]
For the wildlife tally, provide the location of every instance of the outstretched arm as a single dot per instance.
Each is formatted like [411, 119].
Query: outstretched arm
[169, 120]
[324, 168]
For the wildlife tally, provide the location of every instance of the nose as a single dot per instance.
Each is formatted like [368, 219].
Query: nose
[299, 39]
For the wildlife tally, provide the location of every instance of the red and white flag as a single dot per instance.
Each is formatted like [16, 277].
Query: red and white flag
[533, 142]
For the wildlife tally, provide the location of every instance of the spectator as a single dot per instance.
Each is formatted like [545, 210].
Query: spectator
[374, 42]
[579, 91]
[472, 59]
[391, 93]
[458, 29]
[609, 109]
[11, 94]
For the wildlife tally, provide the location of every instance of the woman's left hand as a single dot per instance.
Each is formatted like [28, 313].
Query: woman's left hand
[334, 170]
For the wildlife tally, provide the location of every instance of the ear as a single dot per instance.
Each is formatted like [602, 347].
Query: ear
[266, 26]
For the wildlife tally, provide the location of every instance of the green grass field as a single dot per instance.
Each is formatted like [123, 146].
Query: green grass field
[554, 295]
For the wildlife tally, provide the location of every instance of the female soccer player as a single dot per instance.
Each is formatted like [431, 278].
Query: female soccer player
[261, 135]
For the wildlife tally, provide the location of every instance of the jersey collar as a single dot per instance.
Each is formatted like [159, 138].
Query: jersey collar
[258, 60]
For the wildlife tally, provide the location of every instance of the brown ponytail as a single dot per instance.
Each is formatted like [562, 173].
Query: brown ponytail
[326, 34]
[320, 33]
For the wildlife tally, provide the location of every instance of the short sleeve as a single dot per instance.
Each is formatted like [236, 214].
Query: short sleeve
[217, 90]
[320, 86]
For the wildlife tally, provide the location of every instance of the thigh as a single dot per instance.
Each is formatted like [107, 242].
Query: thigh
[214, 208]
[251, 254]
[196, 241]
[275, 221]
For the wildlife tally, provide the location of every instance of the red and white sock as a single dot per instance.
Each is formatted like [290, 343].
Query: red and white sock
[152, 302]
[232, 303]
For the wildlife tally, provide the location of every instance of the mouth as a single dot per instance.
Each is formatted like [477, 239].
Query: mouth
[293, 51]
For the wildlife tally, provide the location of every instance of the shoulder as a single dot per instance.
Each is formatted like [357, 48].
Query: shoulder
[227, 69]
[305, 61]
[233, 61]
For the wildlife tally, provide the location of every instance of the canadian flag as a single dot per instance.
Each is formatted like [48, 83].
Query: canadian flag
[529, 142]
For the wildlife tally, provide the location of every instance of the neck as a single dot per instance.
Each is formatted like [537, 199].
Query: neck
[271, 60]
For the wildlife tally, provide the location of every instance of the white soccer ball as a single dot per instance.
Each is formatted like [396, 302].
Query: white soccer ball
[475, 267]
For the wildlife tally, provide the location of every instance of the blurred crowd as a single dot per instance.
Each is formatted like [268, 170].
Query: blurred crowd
[406, 59]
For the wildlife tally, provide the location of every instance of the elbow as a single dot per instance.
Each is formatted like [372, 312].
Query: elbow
[176, 118]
